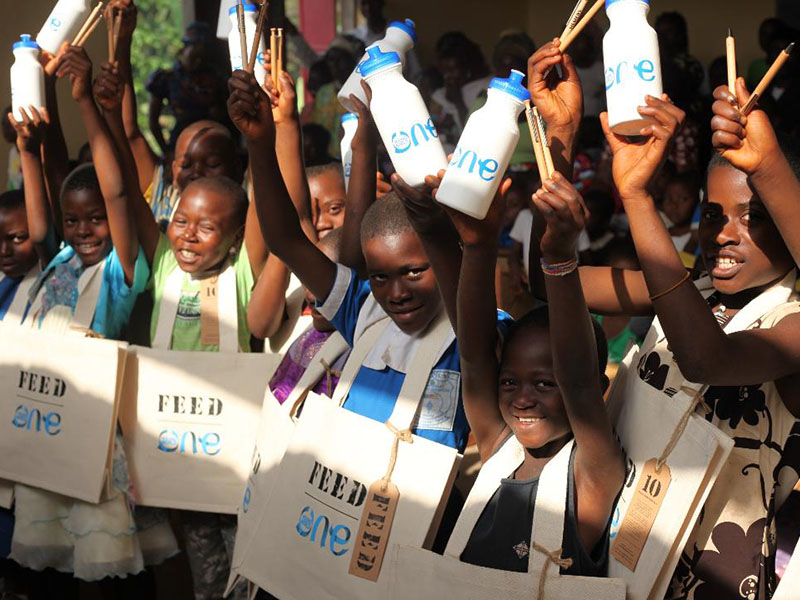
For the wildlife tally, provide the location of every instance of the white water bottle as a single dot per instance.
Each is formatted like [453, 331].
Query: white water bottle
[235, 47]
[350, 125]
[632, 65]
[27, 77]
[485, 148]
[402, 119]
[63, 23]
[400, 37]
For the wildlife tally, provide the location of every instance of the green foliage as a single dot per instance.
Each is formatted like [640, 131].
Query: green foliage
[156, 43]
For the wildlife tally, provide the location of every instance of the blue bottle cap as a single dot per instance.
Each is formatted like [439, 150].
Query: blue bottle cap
[377, 61]
[610, 2]
[25, 41]
[349, 117]
[247, 8]
[512, 86]
[408, 26]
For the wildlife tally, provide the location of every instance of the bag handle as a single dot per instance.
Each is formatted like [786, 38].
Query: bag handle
[16, 311]
[89, 284]
[330, 351]
[360, 350]
[228, 311]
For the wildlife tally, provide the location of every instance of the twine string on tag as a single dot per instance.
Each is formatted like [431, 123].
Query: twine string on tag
[553, 557]
[330, 373]
[697, 400]
[400, 435]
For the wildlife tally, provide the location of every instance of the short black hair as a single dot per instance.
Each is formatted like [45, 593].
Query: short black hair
[331, 244]
[332, 167]
[387, 216]
[225, 186]
[789, 147]
[83, 177]
[540, 317]
[12, 200]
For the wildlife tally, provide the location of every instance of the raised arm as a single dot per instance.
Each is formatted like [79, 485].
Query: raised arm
[750, 144]
[599, 464]
[55, 156]
[108, 91]
[30, 132]
[146, 160]
[362, 190]
[694, 335]
[268, 303]
[477, 325]
[249, 108]
[75, 64]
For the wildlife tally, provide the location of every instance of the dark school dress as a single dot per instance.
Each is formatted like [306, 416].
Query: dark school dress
[501, 537]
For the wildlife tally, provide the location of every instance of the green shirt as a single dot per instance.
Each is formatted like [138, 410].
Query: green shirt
[186, 331]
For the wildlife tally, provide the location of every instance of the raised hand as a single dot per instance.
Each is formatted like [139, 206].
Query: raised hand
[108, 87]
[564, 214]
[560, 101]
[250, 108]
[636, 160]
[75, 64]
[477, 232]
[366, 137]
[31, 130]
[423, 211]
[383, 187]
[744, 141]
[283, 101]
[128, 11]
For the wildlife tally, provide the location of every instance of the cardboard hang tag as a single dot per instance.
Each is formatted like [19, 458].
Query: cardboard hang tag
[649, 493]
[374, 530]
[209, 311]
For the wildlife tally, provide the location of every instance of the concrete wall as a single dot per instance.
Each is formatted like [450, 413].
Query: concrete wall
[27, 17]
[484, 20]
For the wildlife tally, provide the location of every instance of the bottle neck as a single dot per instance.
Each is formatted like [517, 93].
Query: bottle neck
[384, 74]
[503, 103]
[399, 40]
[625, 10]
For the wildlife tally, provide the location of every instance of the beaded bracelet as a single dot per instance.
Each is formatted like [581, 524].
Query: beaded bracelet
[559, 269]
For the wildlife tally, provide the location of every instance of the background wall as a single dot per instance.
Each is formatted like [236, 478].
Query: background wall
[484, 20]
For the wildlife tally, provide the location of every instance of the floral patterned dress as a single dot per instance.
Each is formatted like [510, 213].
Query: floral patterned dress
[731, 552]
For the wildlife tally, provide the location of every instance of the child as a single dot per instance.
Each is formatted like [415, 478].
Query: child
[328, 197]
[92, 541]
[18, 259]
[401, 283]
[750, 361]
[305, 348]
[546, 389]
[681, 196]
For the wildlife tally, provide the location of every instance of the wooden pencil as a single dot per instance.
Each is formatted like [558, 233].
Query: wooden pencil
[89, 31]
[262, 16]
[548, 158]
[538, 152]
[273, 56]
[279, 44]
[767, 80]
[730, 53]
[570, 37]
[242, 31]
[87, 23]
[574, 18]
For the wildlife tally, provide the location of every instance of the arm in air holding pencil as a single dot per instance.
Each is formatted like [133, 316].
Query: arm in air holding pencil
[75, 64]
[599, 463]
[750, 144]
[250, 110]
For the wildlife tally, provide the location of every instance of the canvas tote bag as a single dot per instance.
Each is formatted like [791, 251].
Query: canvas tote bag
[275, 428]
[421, 574]
[694, 449]
[190, 418]
[58, 410]
[309, 530]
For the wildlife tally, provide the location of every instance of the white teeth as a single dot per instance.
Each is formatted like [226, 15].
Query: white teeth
[532, 420]
[188, 254]
[726, 263]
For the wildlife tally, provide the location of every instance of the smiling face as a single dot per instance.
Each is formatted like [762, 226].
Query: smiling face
[402, 279]
[204, 149]
[741, 247]
[17, 254]
[86, 224]
[204, 229]
[527, 392]
[329, 197]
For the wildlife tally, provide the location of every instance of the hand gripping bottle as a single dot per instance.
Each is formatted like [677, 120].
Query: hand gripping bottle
[62, 24]
[402, 119]
[632, 64]
[400, 37]
[485, 148]
[27, 77]
[235, 47]
[349, 124]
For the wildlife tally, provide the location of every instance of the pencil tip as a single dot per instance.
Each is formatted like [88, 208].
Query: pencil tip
[730, 33]
[790, 48]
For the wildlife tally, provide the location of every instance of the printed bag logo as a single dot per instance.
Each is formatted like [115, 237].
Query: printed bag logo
[439, 406]
[188, 425]
[40, 399]
[332, 514]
